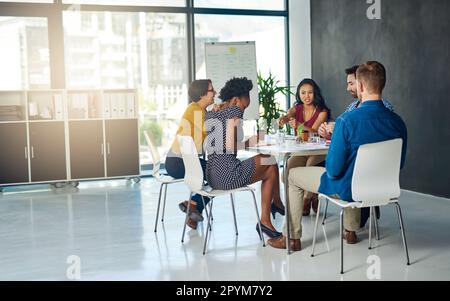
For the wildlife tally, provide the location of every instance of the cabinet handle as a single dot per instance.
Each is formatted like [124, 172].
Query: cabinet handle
[102, 149]
[32, 153]
[26, 152]
[108, 148]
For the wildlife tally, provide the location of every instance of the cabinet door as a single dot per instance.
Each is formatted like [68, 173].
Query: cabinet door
[13, 153]
[122, 147]
[48, 151]
[87, 158]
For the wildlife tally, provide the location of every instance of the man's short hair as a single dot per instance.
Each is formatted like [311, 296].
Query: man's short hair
[351, 70]
[373, 75]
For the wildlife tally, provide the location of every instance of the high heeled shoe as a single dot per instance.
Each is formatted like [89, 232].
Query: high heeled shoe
[269, 232]
[274, 209]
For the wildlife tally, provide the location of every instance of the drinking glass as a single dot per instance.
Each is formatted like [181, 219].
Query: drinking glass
[281, 136]
[314, 138]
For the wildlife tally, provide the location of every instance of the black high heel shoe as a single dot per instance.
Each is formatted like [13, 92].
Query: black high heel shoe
[269, 232]
[274, 209]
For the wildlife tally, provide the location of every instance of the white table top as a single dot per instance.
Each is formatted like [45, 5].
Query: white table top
[292, 148]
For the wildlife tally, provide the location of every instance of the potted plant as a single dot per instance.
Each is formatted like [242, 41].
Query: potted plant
[268, 89]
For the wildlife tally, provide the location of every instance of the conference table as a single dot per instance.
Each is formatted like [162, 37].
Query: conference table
[290, 148]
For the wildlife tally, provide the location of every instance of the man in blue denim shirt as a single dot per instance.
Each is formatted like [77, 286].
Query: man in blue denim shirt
[326, 129]
[372, 122]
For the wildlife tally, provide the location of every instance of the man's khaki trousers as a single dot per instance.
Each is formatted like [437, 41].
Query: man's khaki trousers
[303, 179]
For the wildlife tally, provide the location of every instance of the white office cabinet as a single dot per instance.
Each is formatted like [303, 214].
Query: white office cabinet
[51, 136]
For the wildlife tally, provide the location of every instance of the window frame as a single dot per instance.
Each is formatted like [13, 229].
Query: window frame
[54, 14]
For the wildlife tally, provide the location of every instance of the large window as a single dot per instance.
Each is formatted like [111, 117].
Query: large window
[24, 53]
[113, 44]
[146, 51]
[31, 1]
[267, 32]
[240, 4]
[130, 2]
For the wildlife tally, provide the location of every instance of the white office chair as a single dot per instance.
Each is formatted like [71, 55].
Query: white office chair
[163, 179]
[375, 182]
[194, 180]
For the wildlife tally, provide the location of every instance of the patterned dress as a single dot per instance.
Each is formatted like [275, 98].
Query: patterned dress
[223, 170]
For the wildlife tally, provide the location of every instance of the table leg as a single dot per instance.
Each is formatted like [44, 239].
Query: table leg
[286, 198]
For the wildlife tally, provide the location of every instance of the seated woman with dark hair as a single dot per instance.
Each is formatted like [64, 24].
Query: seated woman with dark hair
[201, 94]
[310, 111]
[224, 138]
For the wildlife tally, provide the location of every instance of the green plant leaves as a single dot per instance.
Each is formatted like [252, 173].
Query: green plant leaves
[268, 89]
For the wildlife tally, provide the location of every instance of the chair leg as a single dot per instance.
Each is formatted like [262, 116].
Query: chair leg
[186, 219]
[325, 214]
[400, 218]
[206, 210]
[341, 221]
[375, 219]
[370, 227]
[205, 207]
[258, 219]
[315, 227]
[234, 214]
[164, 203]
[208, 227]
[159, 203]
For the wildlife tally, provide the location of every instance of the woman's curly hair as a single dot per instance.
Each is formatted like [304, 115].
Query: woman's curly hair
[236, 87]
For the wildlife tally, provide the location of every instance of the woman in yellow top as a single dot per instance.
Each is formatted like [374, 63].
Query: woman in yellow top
[201, 94]
[310, 111]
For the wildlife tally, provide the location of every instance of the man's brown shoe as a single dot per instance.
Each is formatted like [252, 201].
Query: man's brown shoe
[192, 223]
[350, 237]
[280, 243]
[193, 212]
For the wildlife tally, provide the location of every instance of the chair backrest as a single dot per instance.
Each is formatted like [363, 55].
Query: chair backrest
[155, 156]
[376, 175]
[193, 176]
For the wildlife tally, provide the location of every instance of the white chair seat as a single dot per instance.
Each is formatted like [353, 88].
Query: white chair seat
[345, 204]
[167, 179]
[209, 192]
[341, 203]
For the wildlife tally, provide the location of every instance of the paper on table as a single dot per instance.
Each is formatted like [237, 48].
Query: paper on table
[292, 147]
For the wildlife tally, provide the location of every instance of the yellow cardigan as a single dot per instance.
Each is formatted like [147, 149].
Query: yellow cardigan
[192, 124]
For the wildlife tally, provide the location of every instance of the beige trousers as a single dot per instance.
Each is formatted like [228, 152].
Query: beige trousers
[308, 179]
[301, 161]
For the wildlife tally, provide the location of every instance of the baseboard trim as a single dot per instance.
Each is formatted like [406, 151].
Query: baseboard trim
[425, 195]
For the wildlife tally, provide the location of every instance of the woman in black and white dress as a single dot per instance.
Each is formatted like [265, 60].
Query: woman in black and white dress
[224, 138]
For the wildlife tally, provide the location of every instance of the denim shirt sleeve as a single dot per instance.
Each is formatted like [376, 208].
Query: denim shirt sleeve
[339, 150]
[404, 145]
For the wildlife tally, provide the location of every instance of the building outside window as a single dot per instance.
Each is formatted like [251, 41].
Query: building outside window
[24, 54]
[147, 51]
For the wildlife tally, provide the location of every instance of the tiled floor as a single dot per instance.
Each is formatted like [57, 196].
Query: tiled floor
[109, 226]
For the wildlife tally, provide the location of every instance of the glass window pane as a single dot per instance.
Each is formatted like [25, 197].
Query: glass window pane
[239, 4]
[147, 51]
[267, 32]
[24, 54]
[130, 2]
[29, 1]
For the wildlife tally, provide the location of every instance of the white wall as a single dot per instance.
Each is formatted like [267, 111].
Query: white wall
[300, 41]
